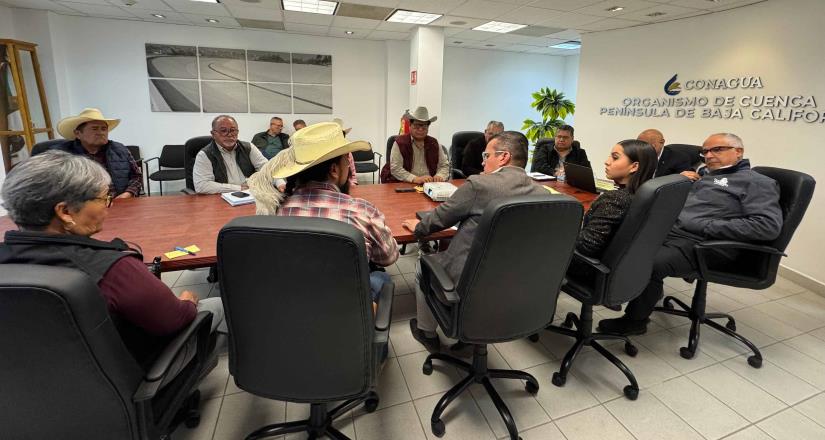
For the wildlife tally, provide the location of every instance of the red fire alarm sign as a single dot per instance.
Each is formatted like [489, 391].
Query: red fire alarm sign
[413, 77]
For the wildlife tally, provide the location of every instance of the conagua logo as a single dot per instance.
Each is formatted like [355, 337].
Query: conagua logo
[673, 87]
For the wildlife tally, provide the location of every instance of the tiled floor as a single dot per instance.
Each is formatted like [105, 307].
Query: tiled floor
[714, 395]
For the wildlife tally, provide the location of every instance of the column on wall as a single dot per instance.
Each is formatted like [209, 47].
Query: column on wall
[427, 66]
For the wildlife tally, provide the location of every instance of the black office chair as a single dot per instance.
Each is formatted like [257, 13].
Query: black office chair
[330, 344]
[755, 267]
[459, 142]
[171, 158]
[691, 151]
[365, 162]
[623, 272]
[500, 296]
[45, 145]
[66, 373]
[191, 149]
[390, 142]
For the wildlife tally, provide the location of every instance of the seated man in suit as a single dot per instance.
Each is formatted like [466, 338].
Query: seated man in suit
[88, 134]
[730, 202]
[670, 161]
[471, 157]
[225, 163]
[549, 157]
[417, 157]
[272, 141]
[504, 159]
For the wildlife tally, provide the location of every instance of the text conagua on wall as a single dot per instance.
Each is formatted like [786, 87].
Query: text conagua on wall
[786, 108]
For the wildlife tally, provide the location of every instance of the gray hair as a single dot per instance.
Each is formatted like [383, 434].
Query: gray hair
[497, 124]
[733, 140]
[33, 188]
[219, 117]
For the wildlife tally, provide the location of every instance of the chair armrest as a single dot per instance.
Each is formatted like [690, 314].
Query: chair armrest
[730, 244]
[592, 262]
[384, 313]
[441, 277]
[175, 353]
[458, 174]
[378, 154]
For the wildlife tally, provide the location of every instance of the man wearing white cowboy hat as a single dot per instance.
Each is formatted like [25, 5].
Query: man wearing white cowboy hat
[88, 134]
[317, 172]
[417, 157]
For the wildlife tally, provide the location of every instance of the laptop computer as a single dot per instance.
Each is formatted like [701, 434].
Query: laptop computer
[582, 177]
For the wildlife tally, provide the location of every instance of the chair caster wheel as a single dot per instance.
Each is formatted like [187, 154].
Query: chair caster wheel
[532, 387]
[438, 428]
[534, 337]
[631, 392]
[427, 368]
[754, 361]
[558, 380]
[666, 304]
[630, 349]
[371, 404]
[685, 353]
[192, 421]
[731, 325]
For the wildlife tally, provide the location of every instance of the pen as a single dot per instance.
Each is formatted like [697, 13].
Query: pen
[178, 248]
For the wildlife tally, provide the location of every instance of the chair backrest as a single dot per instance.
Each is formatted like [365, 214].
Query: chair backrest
[191, 149]
[45, 145]
[795, 192]
[390, 141]
[295, 335]
[459, 141]
[134, 150]
[173, 156]
[363, 156]
[516, 264]
[64, 372]
[691, 151]
[655, 208]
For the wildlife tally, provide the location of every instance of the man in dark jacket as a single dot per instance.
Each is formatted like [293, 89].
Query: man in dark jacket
[272, 141]
[730, 202]
[471, 156]
[670, 161]
[549, 157]
[88, 134]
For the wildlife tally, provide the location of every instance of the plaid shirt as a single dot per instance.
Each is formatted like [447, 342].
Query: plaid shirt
[324, 200]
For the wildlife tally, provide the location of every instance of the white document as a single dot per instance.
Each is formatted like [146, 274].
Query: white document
[238, 201]
[541, 176]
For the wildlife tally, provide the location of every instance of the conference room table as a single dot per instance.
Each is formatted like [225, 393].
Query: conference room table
[158, 224]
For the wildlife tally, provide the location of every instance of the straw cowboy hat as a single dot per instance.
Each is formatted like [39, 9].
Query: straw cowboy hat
[309, 146]
[340, 123]
[422, 114]
[67, 126]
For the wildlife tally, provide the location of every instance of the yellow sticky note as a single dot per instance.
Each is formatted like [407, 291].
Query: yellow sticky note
[552, 191]
[176, 254]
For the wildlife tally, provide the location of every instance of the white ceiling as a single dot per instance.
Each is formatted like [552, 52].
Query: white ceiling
[571, 17]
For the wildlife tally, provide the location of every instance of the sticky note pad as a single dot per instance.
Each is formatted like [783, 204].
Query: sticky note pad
[552, 191]
[176, 254]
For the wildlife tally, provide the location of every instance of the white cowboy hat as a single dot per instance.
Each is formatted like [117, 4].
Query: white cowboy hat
[310, 146]
[340, 123]
[67, 126]
[422, 114]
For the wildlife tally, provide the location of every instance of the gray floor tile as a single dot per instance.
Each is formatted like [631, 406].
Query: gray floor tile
[810, 345]
[402, 340]
[745, 296]
[592, 424]
[406, 264]
[523, 353]
[665, 345]
[398, 422]
[798, 364]
[201, 290]
[796, 319]
[190, 277]
[791, 424]
[698, 408]
[648, 418]
[462, 419]
[750, 433]
[170, 278]
[808, 303]
[745, 398]
[206, 428]
[678, 284]
[814, 408]
[776, 381]
[765, 323]
[214, 384]
[421, 385]
[403, 307]
[720, 346]
[243, 413]
[526, 410]
[392, 269]
[401, 286]
[392, 389]
[561, 401]
[819, 333]
[547, 431]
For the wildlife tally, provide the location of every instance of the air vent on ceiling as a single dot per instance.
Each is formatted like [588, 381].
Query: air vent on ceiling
[261, 24]
[363, 11]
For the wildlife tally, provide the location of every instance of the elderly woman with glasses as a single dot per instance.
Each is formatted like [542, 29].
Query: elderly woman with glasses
[58, 201]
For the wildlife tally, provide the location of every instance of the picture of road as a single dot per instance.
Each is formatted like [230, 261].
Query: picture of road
[224, 97]
[270, 98]
[312, 99]
[174, 95]
[311, 68]
[219, 63]
[269, 66]
[170, 61]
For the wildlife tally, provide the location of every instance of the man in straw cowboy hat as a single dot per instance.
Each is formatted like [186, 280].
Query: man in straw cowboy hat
[417, 157]
[317, 172]
[88, 134]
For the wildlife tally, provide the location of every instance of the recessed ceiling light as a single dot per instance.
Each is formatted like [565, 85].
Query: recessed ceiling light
[212, 20]
[412, 17]
[490, 45]
[349, 32]
[615, 9]
[158, 16]
[499, 27]
[656, 14]
[458, 42]
[207, 1]
[311, 6]
[458, 23]
[568, 45]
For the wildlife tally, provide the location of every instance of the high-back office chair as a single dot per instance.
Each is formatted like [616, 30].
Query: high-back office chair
[691, 151]
[329, 345]
[45, 145]
[191, 149]
[65, 372]
[501, 296]
[390, 142]
[756, 264]
[459, 142]
[623, 272]
[365, 162]
[172, 158]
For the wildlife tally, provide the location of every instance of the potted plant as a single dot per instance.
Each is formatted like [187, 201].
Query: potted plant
[554, 107]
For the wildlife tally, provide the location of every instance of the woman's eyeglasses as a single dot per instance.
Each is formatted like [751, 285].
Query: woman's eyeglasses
[107, 200]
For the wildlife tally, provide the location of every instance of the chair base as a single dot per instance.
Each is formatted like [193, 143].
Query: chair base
[478, 373]
[696, 313]
[319, 423]
[585, 337]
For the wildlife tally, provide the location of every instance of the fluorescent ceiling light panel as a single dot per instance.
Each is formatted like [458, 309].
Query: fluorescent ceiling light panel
[568, 45]
[499, 27]
[412, 17]
[311, 6]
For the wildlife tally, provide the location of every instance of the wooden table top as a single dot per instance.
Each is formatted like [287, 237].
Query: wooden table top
[158, 224]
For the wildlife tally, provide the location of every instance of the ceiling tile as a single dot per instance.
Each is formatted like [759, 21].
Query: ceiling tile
[38, 4]
[357, 34]
[601, 9]
[563, 5]
[482, 9]
[306, 28]
[516, 2]
[608, 24]
[190, 7]
[223, 22]
[569, 34]
[384, 3]
[516, 48]
[307, 18]
[705, 4]
[395, 27]
[363, 11]
[386, 35]
[94, 2]
[269, 4]
[473, 35]
[451, 31]
[469, 23]
[529, 15]
[156, 5]
[670, 12]
[511, 39]
[570, 20]
[542, 50]
[171, 16]
[96, 10]
[354, 23]
[433, 6]
[251, 23]
[254, 13]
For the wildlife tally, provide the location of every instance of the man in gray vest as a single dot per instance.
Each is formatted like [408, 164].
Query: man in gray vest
[225, 163]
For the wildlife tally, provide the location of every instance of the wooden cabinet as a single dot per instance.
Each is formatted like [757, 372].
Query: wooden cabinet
[24, 113]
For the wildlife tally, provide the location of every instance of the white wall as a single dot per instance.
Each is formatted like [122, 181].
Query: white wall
[779, 40]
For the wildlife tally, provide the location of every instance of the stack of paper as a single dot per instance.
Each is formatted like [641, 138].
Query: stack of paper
[235, 200]
[540, 176]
